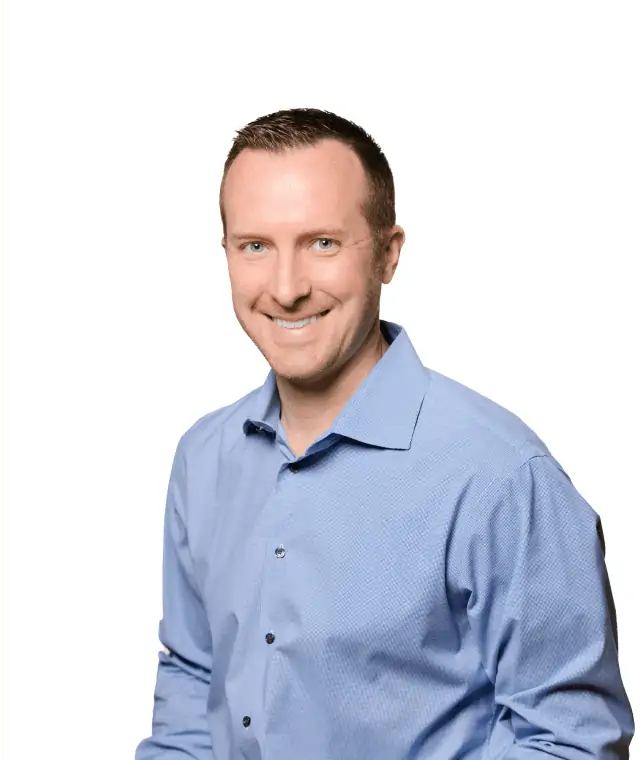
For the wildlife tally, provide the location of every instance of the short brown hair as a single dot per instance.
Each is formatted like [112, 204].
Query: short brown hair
[300, 127]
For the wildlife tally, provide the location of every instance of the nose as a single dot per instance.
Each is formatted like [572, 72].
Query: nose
[289, 282]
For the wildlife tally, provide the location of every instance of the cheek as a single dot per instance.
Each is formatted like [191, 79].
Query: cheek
[344, 279]
[245, 285]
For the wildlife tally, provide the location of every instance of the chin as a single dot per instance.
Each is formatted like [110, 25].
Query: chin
[299, 373]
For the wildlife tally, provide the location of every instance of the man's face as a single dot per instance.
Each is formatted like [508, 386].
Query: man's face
[299, 247]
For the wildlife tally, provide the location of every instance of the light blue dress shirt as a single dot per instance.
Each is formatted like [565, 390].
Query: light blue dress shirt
[424, 582]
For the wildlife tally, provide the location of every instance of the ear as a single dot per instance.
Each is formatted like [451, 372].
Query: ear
[393, 242]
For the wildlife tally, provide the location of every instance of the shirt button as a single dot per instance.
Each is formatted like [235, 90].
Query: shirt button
[246, 721]
[280, 552]
[269, 637]
[295, 467]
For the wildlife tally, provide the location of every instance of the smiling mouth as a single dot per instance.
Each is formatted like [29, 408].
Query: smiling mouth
[298, 324]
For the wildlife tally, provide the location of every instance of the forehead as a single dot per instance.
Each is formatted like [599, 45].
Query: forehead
[320, 184]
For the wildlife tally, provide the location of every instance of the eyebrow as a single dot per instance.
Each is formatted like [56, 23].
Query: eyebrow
[319, 232]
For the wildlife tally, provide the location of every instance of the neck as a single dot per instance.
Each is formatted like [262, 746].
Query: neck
[307, 411]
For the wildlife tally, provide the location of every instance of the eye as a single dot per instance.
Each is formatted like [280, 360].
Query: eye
[325, 244]
[253, 247]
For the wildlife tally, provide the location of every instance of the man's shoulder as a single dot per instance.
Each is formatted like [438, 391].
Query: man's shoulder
[221, 427]
[462, 416]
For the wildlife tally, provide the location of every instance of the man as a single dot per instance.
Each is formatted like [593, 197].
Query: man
[364, 558]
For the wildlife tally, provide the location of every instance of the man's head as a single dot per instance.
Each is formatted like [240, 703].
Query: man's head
[307, 203]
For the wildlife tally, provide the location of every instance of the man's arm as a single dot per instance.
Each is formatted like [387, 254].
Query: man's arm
[179, 726]
[542, 614]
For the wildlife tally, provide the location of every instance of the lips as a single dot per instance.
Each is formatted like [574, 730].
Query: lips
[290, 324]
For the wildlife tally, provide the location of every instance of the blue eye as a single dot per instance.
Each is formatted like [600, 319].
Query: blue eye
[253, 247]
[325, 241]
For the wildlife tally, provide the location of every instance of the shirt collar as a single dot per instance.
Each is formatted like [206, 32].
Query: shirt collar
[382, 411]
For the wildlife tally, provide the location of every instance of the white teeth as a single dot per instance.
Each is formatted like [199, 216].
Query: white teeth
[296, 325]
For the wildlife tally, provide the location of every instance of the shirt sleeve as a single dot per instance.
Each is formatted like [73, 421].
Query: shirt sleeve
[179, 724]
[542, 613]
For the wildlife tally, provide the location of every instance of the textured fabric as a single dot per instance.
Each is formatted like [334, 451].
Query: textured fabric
[425, 582]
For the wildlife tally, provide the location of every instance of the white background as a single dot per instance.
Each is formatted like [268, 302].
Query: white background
[514, 133]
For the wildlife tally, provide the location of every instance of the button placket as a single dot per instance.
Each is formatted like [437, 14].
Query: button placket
[280, 519]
